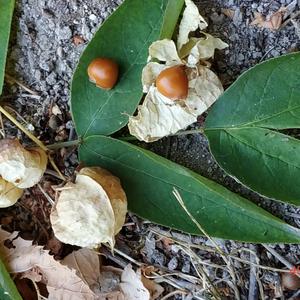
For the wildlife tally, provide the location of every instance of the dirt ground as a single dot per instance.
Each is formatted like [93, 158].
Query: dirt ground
[48, 37]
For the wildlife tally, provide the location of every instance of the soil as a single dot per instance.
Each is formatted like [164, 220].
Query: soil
[46, 42]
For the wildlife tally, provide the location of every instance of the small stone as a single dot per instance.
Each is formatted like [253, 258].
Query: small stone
[173, 263]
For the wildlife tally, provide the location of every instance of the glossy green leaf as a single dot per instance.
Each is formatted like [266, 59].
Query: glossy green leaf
[241, 128]
[172, 14]
[149, 180]
[6, 12]
[125, 37]
[8, 290]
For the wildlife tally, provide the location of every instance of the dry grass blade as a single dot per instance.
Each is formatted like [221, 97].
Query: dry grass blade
[222, 254]
[12, 80]
[33, 138]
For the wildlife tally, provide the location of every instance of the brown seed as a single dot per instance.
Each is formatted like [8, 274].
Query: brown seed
[290, 281]
[103, 72]
[173, 83]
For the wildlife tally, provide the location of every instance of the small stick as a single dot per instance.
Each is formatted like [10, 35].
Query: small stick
[24, 87]
[173, 294]
[252, 294]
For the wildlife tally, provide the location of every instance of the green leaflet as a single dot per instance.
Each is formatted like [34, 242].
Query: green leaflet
[149, 179]
[8, 290]
[172, 14]
[6, 12]
[241, 128]
[125, 37]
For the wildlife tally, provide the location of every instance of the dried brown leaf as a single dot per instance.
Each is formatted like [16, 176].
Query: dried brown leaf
[273, 22]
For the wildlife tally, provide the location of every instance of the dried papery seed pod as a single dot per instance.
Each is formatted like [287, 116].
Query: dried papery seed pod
[103, 72]
[84, 215]
[112, 186]
[9, 194]
[23, 168]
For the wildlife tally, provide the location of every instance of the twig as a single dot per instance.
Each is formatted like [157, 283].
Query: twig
[63, 145]
[2, 126]
[24, 87]
[173, 294]
[46, 195]
[252, 293]
[279, 257]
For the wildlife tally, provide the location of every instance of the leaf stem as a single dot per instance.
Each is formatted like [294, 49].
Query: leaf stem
[184, 132]
[63, 144]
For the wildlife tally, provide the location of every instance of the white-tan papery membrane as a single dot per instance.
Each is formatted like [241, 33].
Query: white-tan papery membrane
[159, 116]
[90, 211]
[23, 168]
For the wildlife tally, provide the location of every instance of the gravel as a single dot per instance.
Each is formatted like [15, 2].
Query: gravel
[47, 40]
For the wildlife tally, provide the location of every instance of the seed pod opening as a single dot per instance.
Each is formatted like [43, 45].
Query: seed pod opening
[23, 168]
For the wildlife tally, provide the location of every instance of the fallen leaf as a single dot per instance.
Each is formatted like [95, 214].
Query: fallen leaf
[56, 110]
[273, 22]
[23, 168]
[87, 266]
[154, 288]
[132, 286]
[36, 264]
[228, 12]
[78, 40]
[191, 21]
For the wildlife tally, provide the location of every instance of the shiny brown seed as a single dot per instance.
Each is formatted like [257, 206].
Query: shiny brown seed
[173, 83]
[103, 72]
[290, 281]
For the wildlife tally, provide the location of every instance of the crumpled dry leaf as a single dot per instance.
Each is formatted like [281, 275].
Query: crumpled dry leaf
[23, 168]
[9, 194]
[273, 22]
[91, 211]
[191, 21]
[77, 276]
[132, 286]
[36, 264]
[154, 288]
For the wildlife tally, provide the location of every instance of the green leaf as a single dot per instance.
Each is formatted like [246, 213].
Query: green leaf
[241, 128]
[172, 14]
[6, 12]
[125, 37]
[8, 290]
[149, 179]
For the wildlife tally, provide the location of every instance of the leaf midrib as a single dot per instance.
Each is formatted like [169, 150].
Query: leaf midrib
[238, 209]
